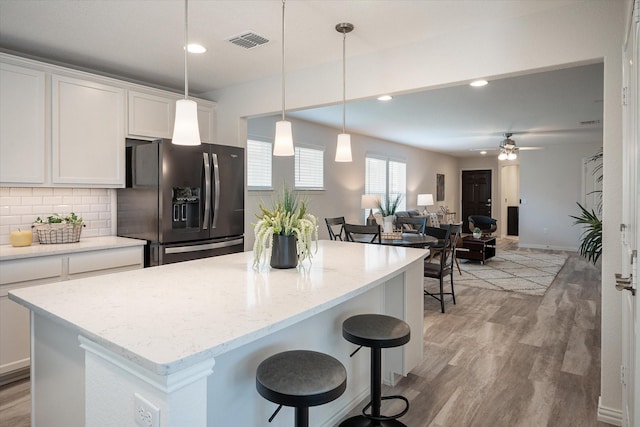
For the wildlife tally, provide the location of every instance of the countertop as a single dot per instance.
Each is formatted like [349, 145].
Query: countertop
[8, 252]
[198, 309]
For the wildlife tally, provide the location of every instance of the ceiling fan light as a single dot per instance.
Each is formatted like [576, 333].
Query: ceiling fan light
[502, 156]
[185, 129]
[283, 144]
[512, 156]
[343, 148]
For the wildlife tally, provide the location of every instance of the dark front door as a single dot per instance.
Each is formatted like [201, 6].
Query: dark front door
[476, 195]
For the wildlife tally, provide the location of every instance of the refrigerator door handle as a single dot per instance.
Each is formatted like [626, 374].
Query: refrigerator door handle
[207, 191]
[216, 202]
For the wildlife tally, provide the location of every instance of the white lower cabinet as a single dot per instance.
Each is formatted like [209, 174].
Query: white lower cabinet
[14, 318]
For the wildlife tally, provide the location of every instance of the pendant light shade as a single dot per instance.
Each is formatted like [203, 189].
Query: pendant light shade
[283, 145]
[343, 149]
[343, 146]
[185, 129]
[283, 141]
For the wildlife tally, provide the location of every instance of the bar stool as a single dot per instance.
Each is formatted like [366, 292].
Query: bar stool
[300, 378]
[376, 331]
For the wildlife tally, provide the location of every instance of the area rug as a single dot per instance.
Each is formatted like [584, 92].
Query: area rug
[527, 272]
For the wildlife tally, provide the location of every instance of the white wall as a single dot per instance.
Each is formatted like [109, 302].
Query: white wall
[582, 32]
[344, 182]
[550, 186]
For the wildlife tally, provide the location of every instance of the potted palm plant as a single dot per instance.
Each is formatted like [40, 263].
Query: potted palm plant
[388, 210]
[284, 233]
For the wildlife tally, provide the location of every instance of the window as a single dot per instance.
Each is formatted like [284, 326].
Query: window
[258, 165]
[309, 168]
[386, 178]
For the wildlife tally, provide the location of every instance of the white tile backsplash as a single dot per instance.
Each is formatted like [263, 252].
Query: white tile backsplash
[19, 207]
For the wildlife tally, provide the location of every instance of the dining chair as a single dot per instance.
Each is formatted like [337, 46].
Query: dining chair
[454, 242]
[444, 265]
[335, 222]
[414, 224]
[362, 233]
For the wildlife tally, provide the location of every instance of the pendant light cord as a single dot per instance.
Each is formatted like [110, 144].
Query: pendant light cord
[283, 97]
[344, 80]
[186, 74]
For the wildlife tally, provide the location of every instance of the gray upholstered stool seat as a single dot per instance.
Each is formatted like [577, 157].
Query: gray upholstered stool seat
[376, 331]
[301, 378]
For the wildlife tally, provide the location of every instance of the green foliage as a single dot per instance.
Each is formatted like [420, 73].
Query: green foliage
[55, 218]
[591, 238]
[389, 206]
[287, 217]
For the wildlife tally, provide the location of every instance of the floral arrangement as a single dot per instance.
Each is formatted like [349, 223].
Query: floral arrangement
[288, 217]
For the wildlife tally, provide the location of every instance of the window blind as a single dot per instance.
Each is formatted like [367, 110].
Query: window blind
[309, 168]
[258, 165]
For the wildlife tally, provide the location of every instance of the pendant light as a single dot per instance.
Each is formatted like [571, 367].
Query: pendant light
[185, 129]
[343, 147]
[283, 142]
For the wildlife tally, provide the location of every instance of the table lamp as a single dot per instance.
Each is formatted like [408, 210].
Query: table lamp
[370, 201]
[425, 200]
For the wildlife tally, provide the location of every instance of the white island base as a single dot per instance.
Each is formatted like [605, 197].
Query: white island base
[192, 347]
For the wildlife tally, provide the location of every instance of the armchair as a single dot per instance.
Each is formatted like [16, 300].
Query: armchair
[486, 224]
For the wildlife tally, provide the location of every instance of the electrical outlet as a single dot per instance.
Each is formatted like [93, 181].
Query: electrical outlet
[145, 413]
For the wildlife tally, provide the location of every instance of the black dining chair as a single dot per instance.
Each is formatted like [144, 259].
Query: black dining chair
[456, 232]
[444, 265]
[415, 224]
[362, 233]
[335, 222]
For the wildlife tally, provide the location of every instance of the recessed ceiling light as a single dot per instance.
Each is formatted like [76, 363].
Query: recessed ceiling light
[385, 98]
[483, 152]
[196, 48]
[478, 83]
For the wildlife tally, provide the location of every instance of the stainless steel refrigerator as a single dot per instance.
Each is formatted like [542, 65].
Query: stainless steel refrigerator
[186, 201]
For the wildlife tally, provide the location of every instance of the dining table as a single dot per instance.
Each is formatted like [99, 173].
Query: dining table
[410, 240]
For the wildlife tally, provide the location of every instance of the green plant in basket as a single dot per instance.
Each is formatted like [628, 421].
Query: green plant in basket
[55, 218]
[288, 216]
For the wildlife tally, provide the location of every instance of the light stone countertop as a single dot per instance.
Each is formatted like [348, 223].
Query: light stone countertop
[8, 252]
[170, 317]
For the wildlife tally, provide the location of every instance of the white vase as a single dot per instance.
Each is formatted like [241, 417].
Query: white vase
[387, 224]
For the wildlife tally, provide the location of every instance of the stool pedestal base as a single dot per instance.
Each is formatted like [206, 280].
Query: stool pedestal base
[362, 421]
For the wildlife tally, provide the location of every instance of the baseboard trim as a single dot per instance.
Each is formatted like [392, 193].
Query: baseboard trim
[552, 247]
[609, 415]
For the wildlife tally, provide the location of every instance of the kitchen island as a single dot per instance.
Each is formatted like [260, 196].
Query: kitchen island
[188, 337]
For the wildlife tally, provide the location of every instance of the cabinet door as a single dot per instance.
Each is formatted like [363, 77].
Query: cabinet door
[87, 132]
[22, 124]
[14, 335]
[150, 115]
[207, 122]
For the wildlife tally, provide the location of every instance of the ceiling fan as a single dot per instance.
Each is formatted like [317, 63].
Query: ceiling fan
[508, 148]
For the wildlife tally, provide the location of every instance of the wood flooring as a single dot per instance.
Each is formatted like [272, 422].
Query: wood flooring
[495, 359]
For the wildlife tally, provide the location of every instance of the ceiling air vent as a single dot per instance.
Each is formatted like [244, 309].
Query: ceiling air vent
[248, 40]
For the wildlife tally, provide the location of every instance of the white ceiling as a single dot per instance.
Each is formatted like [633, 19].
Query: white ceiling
[142, 40]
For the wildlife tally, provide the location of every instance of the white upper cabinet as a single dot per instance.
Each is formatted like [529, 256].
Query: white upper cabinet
[150, 115]
[22, 125]
[61, 127]
[88, 144]
[207, 121]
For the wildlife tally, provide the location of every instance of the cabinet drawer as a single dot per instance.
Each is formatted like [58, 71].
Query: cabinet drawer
[103, 260]
[23, 270]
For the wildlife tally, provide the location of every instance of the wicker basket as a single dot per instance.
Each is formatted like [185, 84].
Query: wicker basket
[58, 233]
